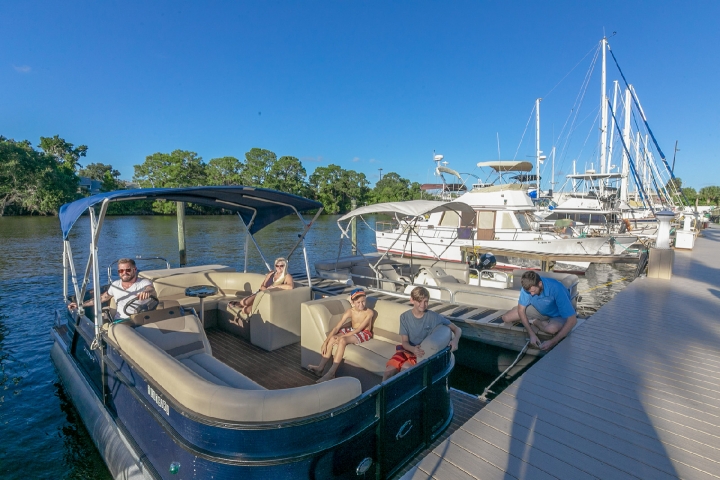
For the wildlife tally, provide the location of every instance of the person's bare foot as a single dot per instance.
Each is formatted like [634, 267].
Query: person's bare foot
[328, 376]
[314, 369]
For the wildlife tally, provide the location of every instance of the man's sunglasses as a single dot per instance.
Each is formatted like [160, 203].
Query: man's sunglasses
[125, 270]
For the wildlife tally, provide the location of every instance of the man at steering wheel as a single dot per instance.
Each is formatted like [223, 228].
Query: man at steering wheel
[127, 290]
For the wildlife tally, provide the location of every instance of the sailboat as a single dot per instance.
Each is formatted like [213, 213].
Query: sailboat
[617, 199]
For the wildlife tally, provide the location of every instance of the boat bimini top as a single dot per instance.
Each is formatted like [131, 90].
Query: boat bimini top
[256, 207]
[407, 214]
[411, 208]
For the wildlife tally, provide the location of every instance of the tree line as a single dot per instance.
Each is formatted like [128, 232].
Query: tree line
[40, 180]
[705, 196]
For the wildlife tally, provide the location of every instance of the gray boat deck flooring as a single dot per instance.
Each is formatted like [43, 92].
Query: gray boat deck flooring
[634, 392]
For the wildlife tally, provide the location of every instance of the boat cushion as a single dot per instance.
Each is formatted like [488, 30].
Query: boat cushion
[320, 316]
[213, 370]
[179, 337]
[211, 390]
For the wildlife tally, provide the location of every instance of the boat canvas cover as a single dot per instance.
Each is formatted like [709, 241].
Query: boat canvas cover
[507, 166]
[266, 205]
[413, 208]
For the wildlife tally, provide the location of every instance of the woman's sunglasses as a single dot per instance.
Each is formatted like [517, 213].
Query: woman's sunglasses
[279, 265]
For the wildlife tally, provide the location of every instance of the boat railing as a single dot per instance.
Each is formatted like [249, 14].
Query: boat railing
[488, 274]
[385, 226]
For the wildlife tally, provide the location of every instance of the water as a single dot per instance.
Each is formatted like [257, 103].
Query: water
[42, 434]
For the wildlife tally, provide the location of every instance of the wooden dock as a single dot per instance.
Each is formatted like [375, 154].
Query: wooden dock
[634, 392]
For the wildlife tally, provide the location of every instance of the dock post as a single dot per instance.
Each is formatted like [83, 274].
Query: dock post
[353, 227]
[661, 258]
[181, 232]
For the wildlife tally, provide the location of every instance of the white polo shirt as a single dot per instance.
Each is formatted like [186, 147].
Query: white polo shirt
[123, 296]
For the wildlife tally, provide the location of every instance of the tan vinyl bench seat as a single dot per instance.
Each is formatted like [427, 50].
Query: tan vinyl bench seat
[274, 321]
[320, 316]
[174, 354]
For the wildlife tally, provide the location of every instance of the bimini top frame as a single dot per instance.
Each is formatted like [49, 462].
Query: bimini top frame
[407, 214]
[256, 207]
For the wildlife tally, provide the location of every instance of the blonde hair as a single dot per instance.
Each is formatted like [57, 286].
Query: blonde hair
[281, 279]
[419, 293]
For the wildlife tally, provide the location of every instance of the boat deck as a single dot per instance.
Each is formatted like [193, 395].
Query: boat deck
[281, 367]
[283, 371]
[634, 392]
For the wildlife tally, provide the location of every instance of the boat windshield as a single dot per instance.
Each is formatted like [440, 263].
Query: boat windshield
[522, 219]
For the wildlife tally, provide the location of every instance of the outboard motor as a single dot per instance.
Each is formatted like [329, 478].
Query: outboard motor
[487, 261]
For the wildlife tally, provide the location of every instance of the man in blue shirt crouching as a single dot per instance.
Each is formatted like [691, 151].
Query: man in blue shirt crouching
[547, 302]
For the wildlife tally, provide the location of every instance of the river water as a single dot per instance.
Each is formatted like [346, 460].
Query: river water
[41, 433]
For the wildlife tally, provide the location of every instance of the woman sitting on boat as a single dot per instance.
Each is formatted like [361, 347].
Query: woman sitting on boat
[278, 279]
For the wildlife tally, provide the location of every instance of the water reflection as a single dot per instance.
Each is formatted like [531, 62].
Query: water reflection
[79, 454]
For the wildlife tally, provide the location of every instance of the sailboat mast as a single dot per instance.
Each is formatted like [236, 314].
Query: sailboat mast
[538, 152]
[552, 175]
[626, 138]
[604, 109]
[616, 89]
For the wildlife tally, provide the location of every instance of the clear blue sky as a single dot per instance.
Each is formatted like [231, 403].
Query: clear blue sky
[362, 84]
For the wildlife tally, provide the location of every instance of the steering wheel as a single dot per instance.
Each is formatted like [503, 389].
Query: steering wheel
[141, 307]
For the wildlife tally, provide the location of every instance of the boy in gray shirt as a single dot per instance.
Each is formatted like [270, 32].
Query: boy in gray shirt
[415, 326]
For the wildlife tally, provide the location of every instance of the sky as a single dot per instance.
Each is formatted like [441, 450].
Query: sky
[366, 85]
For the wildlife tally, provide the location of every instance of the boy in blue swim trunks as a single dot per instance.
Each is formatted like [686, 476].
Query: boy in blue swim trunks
[547, 302]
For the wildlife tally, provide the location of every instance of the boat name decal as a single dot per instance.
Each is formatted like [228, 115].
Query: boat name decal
[159, 400]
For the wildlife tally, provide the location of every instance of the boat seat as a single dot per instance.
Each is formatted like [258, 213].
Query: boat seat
[174, 354]
[365, 361]
[389, 272]
[179, 336]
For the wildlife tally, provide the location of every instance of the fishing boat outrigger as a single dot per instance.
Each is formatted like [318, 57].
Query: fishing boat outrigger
[161, 400]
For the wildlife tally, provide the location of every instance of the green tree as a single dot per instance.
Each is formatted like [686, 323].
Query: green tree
[393, 188]
[170, 170]
[710, 195]
[674, 184]
[258, 163]
[335, 187]
[64, 152]
[224, 171]
[288, 175]
[32, 181]
[109, 177]
[690, 194]
[97, 171]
